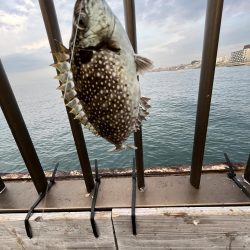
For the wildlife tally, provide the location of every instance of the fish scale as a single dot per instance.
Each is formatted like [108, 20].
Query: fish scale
[107, 100]
[98, 74]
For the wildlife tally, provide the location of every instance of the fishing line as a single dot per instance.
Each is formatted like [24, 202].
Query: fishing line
[123, 157]
[67, 82]
[44, 202]
[73, 48]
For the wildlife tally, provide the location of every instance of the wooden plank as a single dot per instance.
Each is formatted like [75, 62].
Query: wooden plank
[184, 228]
[161, 191]
[56, 231]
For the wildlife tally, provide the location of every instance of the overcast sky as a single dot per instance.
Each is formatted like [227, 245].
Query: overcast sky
[169, 32]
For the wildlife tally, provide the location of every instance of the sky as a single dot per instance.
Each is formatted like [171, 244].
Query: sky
[169, 32]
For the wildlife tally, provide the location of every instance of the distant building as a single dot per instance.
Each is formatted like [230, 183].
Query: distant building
[247, 46]
[195, 62]
[241, 56]
[246, 54]
[237, 56]
[222, 59]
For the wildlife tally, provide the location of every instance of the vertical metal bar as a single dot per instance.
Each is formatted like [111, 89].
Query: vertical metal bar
[53, 32]
[133, 201]
[2, 185]
[210, 46]
[247, 170]
[19, 130]
[130, 20]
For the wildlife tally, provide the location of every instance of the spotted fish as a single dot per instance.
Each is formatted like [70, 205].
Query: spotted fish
[98, 74]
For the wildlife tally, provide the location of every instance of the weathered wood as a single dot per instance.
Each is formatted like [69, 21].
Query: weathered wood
[157, 228]
[184, 228]
[56, 231]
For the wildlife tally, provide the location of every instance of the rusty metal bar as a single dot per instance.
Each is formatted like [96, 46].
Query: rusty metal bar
[130, 20]
[20, 132]
[2, 185]
[53, 32]
[210, 46]
[247, 170]
[93, 205]
[133, 201]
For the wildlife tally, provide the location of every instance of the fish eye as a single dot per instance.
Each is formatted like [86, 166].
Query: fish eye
[81, 22]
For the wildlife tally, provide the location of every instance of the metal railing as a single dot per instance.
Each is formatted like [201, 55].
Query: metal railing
[210, 47]
[53, 32]
[20, 132]
[130, 21]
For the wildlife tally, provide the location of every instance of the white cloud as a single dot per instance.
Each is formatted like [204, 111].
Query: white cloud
[43, 43]
[20, 26]
[11, 22]
[168, 31]
[25, 6]
[14, 8]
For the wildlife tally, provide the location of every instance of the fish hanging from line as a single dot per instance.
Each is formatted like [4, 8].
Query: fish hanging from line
[98, 74]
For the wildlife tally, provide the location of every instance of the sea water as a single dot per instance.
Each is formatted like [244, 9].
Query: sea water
[167, 134]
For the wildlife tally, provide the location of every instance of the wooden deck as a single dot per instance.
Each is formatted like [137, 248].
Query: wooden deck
[170, 214]
[158, 228]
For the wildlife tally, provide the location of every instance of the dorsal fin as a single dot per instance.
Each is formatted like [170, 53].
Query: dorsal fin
[61, 47]
[143, 112]
[142, 64]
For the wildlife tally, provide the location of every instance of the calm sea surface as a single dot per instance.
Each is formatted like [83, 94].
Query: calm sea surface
[168, 133]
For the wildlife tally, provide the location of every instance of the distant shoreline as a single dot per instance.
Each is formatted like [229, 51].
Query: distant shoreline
[126, 171]
[197, 66]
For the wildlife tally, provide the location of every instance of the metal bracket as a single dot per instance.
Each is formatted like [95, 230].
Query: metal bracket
[96, 188]
[133, 202]
[40, 198]
[247, 170]
[2, 185]
[231, 174]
